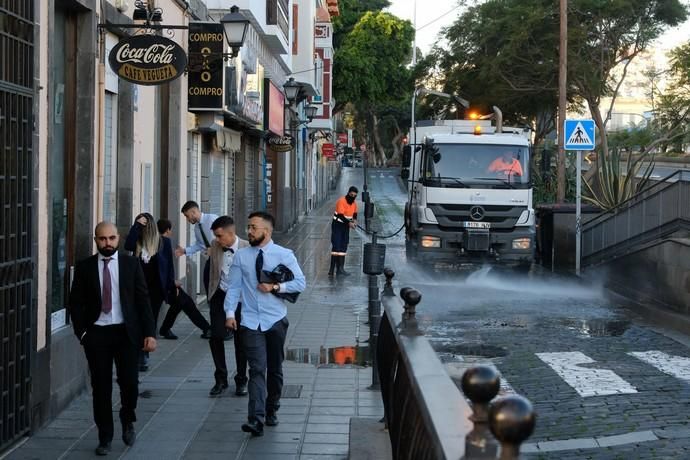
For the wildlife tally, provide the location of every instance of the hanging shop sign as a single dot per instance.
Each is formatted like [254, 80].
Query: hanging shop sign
[328, 150]
[281, 144]
[147, 59]
[205, 84]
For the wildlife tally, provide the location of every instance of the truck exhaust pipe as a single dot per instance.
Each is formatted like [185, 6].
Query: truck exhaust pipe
[498, 116]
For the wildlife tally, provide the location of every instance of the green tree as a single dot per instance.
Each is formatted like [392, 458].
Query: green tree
[370, 70]
[673, 114]
[351, 11]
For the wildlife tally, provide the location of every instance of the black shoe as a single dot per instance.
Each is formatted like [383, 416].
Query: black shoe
[343, 273]
[207, 334]
[218, 389]
[241, 389]
[271, 419]
[128, 434]
[103, 449]
[168, 335]
[255, 428]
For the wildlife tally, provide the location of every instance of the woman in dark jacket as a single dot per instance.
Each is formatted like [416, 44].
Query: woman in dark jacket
[155, 254]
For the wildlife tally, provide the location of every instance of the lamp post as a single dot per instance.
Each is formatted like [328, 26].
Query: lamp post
[235, 25]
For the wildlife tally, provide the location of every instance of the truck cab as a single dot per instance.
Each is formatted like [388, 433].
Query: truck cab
[470, 194]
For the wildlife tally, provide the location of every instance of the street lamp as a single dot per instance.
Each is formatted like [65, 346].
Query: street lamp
[310, 112]
[292, 89]
[235, 25]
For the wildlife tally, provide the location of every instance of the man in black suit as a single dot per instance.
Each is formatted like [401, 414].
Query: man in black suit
[112, 318]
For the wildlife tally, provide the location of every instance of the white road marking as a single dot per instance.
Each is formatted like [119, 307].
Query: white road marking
[676, 366]
[587, 382]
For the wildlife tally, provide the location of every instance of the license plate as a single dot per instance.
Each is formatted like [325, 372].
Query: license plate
[477, 224]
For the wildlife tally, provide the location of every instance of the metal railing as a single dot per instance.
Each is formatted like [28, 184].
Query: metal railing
[426, 415]
[657, 212]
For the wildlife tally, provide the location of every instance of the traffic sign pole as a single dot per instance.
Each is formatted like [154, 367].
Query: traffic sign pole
[579, 136]
[578, 213]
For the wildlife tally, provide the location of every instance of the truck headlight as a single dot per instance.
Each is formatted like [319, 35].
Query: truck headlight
[522, 243]
[431, 242]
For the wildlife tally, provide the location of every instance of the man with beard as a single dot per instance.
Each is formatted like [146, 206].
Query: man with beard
[112, 318]
[344, 218]
[264, 321]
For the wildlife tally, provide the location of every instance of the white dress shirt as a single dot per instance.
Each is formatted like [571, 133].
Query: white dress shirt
[115, 315]
[228, 257]
[199, 245]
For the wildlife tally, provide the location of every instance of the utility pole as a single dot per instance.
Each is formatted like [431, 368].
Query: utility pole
[413, 139]
[562, 101]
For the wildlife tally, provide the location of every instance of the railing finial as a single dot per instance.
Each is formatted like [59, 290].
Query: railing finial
[480, 384]
[411, 297]
[511, 420]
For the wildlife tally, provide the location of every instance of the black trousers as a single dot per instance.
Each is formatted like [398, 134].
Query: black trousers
[183, 302]
[265, 352]
[340, 236]
[207, 274]
[104, 345]
[217, 341]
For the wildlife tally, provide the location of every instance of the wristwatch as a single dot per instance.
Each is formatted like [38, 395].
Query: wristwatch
[276, 287]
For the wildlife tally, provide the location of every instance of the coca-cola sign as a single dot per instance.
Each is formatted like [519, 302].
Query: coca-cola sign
[281, 144]
[147, 59]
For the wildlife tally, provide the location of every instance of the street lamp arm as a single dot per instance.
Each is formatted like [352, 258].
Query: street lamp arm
[421, 91]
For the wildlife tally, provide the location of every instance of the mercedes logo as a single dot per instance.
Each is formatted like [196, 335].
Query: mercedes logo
[477, 213]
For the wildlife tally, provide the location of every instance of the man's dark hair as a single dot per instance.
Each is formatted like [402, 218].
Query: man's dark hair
[189, 205]
[353, 189]
[265, 216]
[164, 225]
[222, 222]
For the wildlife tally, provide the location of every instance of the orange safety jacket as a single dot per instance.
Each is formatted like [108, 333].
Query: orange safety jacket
[344, 212]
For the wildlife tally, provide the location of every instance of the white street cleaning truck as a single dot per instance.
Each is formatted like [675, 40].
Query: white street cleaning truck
[470, 193]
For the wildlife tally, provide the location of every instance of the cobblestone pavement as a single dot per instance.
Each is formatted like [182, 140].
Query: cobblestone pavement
[178, 420]
[605, 383]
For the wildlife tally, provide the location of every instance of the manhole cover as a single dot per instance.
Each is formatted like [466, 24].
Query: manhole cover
[292, 391]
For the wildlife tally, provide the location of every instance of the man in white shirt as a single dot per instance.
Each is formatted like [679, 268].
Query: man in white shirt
[203, 235]
[221, 255]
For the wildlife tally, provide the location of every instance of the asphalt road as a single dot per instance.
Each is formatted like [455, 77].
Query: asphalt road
[604, 383]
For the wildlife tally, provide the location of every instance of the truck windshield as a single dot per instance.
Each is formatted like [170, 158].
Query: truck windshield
[474, 164]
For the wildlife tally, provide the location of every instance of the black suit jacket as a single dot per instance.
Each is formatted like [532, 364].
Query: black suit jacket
[85, 298]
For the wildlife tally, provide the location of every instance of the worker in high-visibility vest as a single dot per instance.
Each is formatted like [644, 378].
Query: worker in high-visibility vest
[344, 218]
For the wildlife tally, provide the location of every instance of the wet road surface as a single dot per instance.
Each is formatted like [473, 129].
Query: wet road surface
[604, 383]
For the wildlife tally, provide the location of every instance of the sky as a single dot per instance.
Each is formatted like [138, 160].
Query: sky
[432, 15]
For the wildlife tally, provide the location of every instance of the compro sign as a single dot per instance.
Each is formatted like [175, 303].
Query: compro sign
[579, 134]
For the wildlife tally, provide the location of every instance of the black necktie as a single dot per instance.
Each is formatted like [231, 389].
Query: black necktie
[259, 265]
[203, 235]
[232, 251]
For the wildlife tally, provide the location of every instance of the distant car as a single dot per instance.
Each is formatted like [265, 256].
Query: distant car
[358, 163]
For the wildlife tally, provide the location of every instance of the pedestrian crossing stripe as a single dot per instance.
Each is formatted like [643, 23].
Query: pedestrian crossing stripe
[676, 366]
[579, 134]
[585, 380]
[591, 380]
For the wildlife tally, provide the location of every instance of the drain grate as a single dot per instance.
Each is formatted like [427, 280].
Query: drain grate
[292, 391]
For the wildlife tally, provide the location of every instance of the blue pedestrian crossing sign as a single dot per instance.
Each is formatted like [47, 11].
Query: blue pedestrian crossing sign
[579, 134]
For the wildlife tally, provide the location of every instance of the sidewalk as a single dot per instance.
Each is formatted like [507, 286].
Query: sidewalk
[177, 419]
